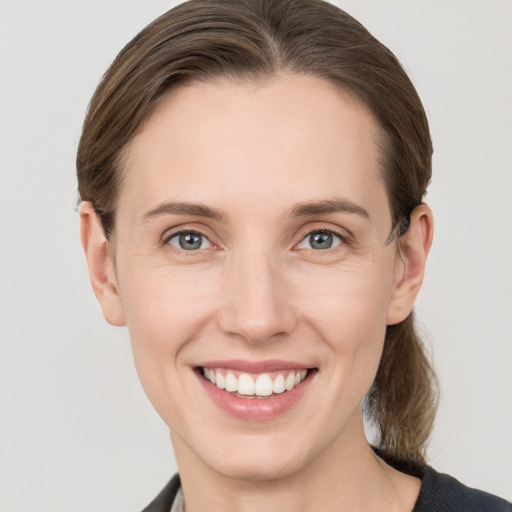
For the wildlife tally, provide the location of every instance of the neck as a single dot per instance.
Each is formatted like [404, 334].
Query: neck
[347, 476]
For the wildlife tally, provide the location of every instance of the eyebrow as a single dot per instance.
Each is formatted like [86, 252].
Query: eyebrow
[329, 206]
[300, 210]
[179, 208]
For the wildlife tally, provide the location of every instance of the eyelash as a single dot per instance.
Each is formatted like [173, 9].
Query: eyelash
[344, 239]
[167, 238]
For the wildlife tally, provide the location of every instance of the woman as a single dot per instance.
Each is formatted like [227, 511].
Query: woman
[252, 176]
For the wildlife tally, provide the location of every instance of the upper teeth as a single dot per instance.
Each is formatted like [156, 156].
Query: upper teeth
[259, 385]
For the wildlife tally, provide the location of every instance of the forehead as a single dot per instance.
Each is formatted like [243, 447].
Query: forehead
[291, 139]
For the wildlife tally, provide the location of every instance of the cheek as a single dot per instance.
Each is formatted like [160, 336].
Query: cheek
[348, 301]
[164, 312]
[164, 305]
[350, 319]
[354, 330]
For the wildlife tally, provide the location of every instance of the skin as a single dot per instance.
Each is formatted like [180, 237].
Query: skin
[256, 290]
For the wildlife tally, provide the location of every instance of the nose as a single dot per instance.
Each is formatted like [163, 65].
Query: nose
[257, 302]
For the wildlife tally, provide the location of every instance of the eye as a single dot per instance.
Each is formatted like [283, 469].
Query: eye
[189, 241]
[321, 240]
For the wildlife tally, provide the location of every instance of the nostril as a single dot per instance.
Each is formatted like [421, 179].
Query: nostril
[258, 308]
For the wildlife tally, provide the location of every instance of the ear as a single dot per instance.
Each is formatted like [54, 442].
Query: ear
[101, 269]
[414, 248]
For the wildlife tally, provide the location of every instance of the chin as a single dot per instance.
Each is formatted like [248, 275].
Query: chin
[259, 459]
[245, 468]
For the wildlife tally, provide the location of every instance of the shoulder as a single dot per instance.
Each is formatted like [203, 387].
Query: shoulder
[444, 493]
[164, 501]
[439, 493]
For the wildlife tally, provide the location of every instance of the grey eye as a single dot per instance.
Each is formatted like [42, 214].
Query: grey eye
[189, 241]
[320, 240]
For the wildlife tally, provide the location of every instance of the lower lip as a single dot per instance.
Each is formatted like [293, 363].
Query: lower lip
[256, 408]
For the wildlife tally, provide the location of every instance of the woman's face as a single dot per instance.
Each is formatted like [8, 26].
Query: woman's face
[250, 245]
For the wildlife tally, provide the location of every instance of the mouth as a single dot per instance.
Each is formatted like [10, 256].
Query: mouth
[255, 390]
[247, 385]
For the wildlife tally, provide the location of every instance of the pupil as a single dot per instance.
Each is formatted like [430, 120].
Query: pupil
[190, 241]
[321, 240]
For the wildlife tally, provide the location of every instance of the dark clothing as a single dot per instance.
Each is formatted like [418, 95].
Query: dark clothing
[442, 493]
[163, 502]
[439, 493]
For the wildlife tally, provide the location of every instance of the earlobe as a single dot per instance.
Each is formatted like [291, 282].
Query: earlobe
[101, 270]
[414, 248]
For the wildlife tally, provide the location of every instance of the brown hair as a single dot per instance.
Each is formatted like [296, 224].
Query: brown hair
[252, 40]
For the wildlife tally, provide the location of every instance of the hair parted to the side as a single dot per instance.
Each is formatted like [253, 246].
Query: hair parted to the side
[254, 40]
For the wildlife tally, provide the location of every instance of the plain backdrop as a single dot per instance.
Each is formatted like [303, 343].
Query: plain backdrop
[77, 433]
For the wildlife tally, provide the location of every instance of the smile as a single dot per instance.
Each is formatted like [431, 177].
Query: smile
[246, 385]
[252, 390]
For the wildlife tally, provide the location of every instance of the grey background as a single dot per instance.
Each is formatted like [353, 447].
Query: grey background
[77, 432]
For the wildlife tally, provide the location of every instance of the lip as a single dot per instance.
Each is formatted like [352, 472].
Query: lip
[242, 365]
[255, 409]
